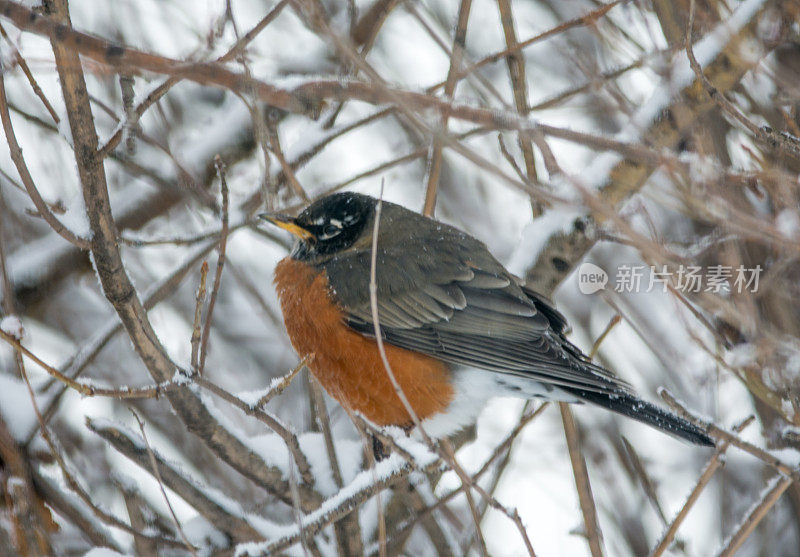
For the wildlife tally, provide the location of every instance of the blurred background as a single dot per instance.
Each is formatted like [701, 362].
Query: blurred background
[594, 140]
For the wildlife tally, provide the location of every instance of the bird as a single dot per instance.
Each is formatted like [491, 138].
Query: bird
[457, 328]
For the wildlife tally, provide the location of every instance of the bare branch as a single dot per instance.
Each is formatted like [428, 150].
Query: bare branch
[133, 447]
[435, 161]
[154, 470]
[27, 179]
[775, 489]
[584, 488]
[223, 242]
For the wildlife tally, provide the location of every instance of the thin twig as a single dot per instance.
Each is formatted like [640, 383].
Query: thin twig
[783, 141]
[714, 463]
[182, 240]
[510, 158]
[373, 299]
[373, 294]
[644, 478]
[368, 450]
[198, 314]
[306, 540]
[441, 448]
[589, 18]
[27, 180]
[201, 499]
[78, 362]
[715, 431]
[28, 512]
[611, 324]
[76, 487]
[519, 86]
[168, 83]
[23, 64]
[157, 474]
[503, 449]
[90, 390]
[324, 422]
[348, 529]
[288, 437]
[286, 167]
[435, 163]
[777, 485]
[582, 484]
[473, 509]
[223, 242]
[282, 383]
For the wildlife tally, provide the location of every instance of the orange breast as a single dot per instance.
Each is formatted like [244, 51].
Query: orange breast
[348, 364]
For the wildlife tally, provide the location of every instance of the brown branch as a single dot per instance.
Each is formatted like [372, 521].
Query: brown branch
[582, 485]
[31, 520]
[280, 385]
[297, 100]
[715, 431]
[777, 486]
[95, 532]
[348, 529]
[288, 437]
[126, 58]
[473, 509]
[115, 283]
[503, 449]
[601, 78]
[510, 158]
[189, 490]
[640, 471]
[223, 243]
[611, 324]
[32, 524]
[141, 516]
[565, 249]
[457, 53]
[162, 89]
[324, 422]
[88, 389]
[32, 80]
[25, 175]
[197, 333]
[155, 472]
[181, 240]
[584, 20]
[78, 362]
[783, 141]
[364, 32]
[286, 167]
[519, 86]
[714, 463]
[73, 484]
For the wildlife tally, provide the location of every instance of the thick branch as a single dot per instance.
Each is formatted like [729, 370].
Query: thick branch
[133, 448]
[119, 290]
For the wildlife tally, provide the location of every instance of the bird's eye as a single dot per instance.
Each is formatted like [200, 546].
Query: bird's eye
[330, 230]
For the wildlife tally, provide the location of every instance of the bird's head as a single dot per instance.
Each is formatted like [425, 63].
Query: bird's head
[327, 226]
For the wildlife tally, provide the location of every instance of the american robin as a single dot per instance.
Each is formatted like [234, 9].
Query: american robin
[458, 328]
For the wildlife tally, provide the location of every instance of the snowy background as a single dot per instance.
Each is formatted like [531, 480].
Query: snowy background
[658, 175]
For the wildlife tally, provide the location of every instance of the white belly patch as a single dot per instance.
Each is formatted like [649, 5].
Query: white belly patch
[474, 387]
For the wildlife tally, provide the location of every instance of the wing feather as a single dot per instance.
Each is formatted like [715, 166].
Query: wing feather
[454, 301]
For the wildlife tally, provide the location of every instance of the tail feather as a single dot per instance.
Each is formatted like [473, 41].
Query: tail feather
[650, 414]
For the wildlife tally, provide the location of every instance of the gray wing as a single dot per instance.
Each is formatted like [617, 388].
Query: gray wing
[463, 309]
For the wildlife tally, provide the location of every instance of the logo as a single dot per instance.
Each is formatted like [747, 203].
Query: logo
[591, 278]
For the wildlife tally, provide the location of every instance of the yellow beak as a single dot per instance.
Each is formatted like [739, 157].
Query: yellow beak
[287, 223]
